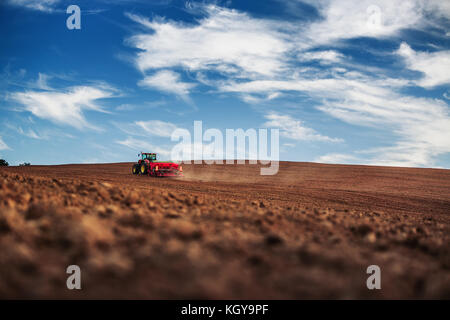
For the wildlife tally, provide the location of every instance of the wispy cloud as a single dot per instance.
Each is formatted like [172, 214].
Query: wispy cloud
[327, 56]
[434, 65]
[294, 129]
[42, 82]
[148, 128]
[338, 158]
[143, 145]
[157, 127]
[366, 18]
[39, 5]
[125, 107]
[30, 133]
[258, 59]
[168, 81]
[3, 145]
[64, 107]
[225, 40]
[420, 126]
[263, 61]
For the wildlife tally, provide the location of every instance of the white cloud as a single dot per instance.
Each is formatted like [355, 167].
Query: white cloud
[148, 128]
[255, 99]
[257, 59]
[239, 46]
[157, 127]
[233, 43]
[294, 129]
[326, 56]
[168, 81]
[40, 5]
[364, 18]
[289, 145]
[43, 133]
[143, 146]
[440, 9]
[420, 126]
[125, 107]
[3, 145]
[42, 80]
[337, 158]
[227, 41]
[323, 88]
[63, 107]
[434, 65]
[30, 133]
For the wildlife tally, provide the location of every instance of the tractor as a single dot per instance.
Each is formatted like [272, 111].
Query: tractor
[149, 166]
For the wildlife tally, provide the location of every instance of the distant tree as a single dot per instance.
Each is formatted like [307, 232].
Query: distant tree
[3, 163]
[25, 164]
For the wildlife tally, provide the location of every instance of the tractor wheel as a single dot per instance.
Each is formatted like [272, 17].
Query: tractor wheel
[144, 168]
[135, 169]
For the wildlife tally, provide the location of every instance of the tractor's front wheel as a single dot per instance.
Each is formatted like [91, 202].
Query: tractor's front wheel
[144, 169]
[135, 169]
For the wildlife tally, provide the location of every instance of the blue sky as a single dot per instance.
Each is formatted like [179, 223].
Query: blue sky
[363, 82]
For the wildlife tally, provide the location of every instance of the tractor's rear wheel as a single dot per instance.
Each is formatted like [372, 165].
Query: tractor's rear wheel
[135, 169]
[144, 169]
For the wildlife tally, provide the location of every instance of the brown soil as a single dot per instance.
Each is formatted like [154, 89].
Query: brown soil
[224, 231]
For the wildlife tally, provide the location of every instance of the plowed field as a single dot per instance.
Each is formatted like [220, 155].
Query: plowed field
[224, 231]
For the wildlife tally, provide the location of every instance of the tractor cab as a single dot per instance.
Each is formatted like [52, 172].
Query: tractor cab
[148, 156]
